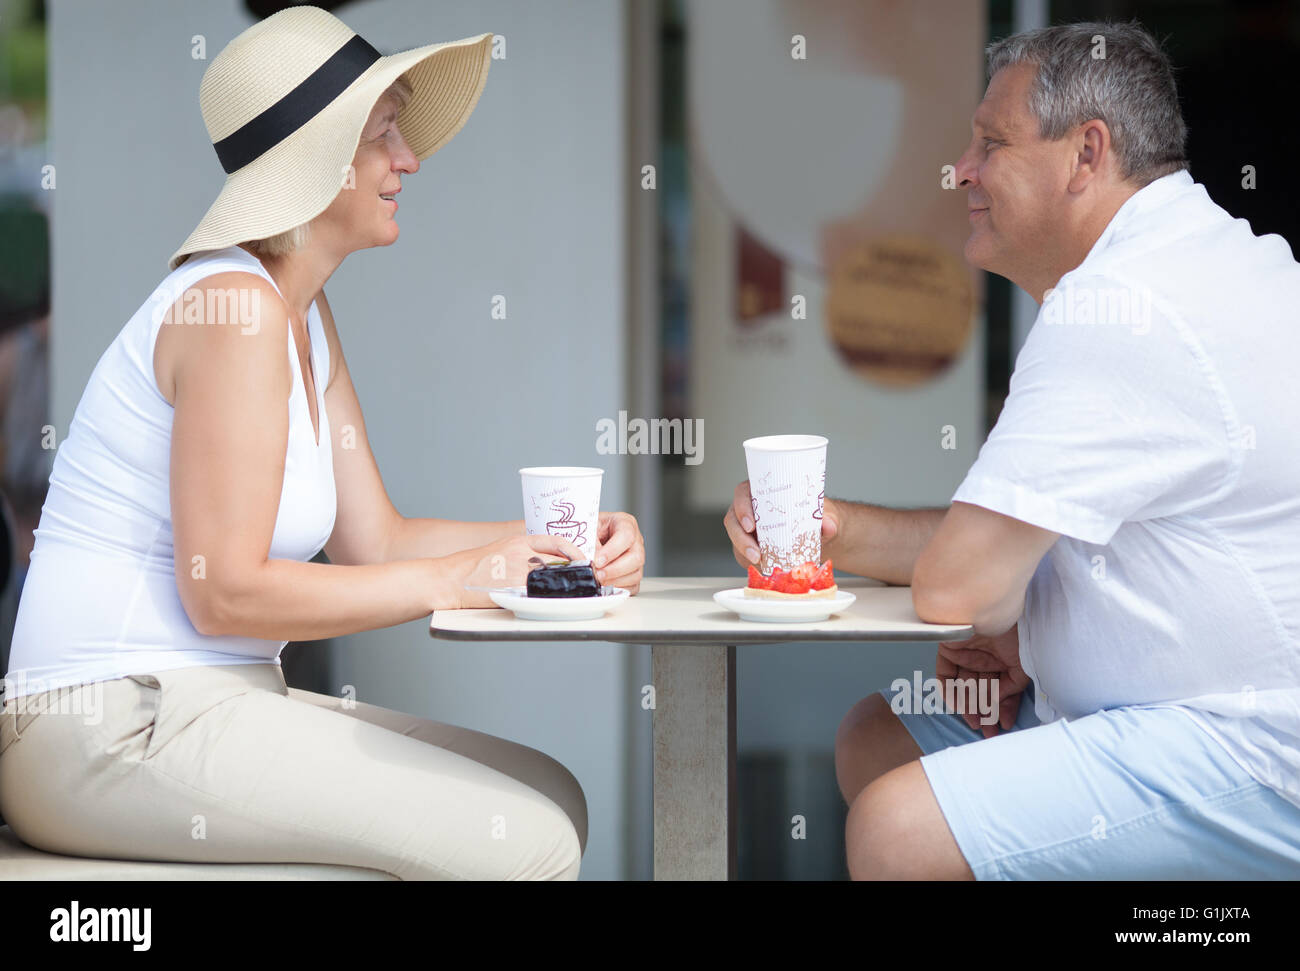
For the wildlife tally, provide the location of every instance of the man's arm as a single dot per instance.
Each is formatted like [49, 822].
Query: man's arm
[876, 542]
[976, 568]
[870, 541]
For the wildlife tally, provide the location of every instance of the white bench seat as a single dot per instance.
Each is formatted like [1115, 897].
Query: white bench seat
[18, 861]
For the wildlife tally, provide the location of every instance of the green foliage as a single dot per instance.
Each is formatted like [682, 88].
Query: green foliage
[22, 54]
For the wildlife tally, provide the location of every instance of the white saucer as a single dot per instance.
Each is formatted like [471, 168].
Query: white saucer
[783, 611]
[516, 600]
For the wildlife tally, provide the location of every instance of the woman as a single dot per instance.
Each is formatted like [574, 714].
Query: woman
[170, 564]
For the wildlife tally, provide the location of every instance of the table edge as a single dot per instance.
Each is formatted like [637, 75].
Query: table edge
[785, 636]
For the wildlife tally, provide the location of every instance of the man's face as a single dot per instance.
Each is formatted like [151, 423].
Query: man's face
[1015, 180]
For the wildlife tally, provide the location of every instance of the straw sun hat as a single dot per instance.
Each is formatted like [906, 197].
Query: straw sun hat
[285, 103]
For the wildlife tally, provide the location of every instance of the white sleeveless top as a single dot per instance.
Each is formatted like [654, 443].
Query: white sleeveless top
[100, 598]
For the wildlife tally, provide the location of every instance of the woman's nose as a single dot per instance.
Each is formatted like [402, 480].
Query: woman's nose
[404, 158]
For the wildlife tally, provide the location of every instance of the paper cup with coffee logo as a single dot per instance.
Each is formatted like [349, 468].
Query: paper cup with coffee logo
[563, 500]
[787, 483]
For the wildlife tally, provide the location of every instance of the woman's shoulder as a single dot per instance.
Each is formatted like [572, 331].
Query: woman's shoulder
[215, 280]
[235, 300]
[227, 293]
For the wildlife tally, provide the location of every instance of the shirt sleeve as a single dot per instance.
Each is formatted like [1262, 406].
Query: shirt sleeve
[1108, 420]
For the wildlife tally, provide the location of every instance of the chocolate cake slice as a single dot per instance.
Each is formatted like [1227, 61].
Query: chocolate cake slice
[563, 580]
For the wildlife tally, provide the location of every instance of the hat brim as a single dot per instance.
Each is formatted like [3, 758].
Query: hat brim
[296, 180]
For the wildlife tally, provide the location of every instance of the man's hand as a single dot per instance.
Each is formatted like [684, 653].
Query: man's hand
[739, 524]
[620, 551]
[986, 659]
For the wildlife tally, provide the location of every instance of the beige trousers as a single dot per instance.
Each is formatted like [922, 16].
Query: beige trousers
[228, 765]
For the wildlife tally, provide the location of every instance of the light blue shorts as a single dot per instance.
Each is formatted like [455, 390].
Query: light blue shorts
[1138, 793]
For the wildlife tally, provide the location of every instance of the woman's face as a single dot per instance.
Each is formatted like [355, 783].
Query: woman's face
[358, 216]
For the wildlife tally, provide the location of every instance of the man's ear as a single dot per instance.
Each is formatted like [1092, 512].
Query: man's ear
[1092, 153]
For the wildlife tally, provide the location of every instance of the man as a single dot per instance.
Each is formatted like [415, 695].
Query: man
[1127, 544]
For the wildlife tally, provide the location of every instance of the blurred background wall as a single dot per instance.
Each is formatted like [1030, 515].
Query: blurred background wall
[657, 298]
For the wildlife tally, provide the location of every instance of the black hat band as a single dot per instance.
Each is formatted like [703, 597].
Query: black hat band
[298, 107]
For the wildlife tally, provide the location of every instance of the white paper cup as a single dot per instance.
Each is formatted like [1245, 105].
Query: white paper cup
[787, 481]
[563, 501]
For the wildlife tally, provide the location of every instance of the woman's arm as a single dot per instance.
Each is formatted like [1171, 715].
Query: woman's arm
[441, 537]
[229, 436]
[368, 528]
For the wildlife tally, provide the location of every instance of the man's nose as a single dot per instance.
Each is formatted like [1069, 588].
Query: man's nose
[966, 171]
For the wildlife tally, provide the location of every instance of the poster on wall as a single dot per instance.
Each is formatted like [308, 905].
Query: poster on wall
[829, 292]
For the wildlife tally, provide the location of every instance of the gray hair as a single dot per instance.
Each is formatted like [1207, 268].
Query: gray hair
[299, 236]
[1115, 72]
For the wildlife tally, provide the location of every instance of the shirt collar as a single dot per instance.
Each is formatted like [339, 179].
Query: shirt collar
[1145, 200]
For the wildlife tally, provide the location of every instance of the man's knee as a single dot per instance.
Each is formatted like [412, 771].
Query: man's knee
[896, 831]
[857, 744]
[876, 833]
[869, 711]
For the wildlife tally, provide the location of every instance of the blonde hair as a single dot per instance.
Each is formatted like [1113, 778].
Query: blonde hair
[299, 236]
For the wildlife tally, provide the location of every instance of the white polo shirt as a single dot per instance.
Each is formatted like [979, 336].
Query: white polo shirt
[1154, 422]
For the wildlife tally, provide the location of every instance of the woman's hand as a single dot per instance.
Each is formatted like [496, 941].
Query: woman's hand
[620, 551]
[505, 564]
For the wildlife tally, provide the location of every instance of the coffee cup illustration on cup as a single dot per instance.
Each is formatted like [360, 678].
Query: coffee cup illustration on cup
[554, 496]
[566, 526]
